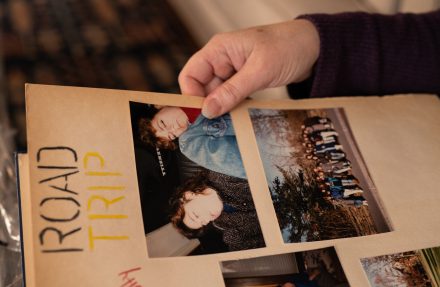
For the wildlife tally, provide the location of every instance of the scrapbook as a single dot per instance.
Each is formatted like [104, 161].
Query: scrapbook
[124, 188]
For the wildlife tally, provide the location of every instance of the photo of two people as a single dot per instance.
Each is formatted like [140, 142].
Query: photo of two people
[194, 193]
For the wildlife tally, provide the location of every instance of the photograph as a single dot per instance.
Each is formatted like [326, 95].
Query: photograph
[317, 179]
[194, 193]
[312, 268]
[419, 268]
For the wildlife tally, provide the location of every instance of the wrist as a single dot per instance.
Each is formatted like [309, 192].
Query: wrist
[307, 40]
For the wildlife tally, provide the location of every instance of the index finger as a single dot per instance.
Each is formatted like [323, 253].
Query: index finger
[196, 73]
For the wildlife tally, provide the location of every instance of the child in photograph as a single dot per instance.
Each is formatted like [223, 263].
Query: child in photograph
[157, 172]
[218, 201]
[211, 143]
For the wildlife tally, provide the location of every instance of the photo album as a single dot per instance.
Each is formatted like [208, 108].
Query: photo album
[129, 189]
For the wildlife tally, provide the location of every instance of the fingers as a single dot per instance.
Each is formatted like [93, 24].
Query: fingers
[225, 72]
[205, 70]
[194, 75]
[213, 84]
[233, 65]
[230, 93]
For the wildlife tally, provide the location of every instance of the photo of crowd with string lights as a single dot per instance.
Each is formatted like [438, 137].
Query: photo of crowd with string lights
[318, 181]
[410, 268]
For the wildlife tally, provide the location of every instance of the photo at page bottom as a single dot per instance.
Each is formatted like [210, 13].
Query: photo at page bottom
[195, 196]
[314, 268]
[419, 268]
[319, 184]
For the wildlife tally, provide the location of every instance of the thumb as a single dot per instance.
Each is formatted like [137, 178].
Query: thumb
[229, 94]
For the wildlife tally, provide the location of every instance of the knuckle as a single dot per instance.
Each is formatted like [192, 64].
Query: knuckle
[217, 38]
[181, 78]
[231, 93]
[220, 39]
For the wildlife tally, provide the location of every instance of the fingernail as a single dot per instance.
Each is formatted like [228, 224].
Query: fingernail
[211, 109]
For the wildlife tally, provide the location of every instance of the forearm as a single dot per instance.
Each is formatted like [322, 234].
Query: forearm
[372, 54]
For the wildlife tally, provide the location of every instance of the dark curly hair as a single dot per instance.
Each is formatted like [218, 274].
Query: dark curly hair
[197, 185]
[147, 135]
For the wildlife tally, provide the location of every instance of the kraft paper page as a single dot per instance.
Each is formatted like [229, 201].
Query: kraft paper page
[89, 227]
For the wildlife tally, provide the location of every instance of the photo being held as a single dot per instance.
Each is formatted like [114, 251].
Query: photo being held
[191, 183]
[211, 143]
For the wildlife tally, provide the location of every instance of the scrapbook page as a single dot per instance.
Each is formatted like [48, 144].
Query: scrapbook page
[124, 188]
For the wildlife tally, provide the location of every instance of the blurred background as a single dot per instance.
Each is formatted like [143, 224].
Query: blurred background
[118, 44]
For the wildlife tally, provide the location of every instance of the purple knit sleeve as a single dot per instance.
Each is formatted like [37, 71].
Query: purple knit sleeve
[373, 54]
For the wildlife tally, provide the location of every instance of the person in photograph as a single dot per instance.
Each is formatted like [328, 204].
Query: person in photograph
[331, 155]
[320, 136]
[158, 173]
[210, 143]
[310, 121]
[344, 180]
[336, 167]
[212, 200]
[318, 127]
[327, 140]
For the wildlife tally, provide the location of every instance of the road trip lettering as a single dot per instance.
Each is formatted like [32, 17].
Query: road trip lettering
[62, 207]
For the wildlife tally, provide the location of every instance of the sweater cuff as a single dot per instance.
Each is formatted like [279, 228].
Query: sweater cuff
[374, 54]
[337, 56]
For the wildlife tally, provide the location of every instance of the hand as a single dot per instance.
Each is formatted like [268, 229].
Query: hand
[233, 65]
